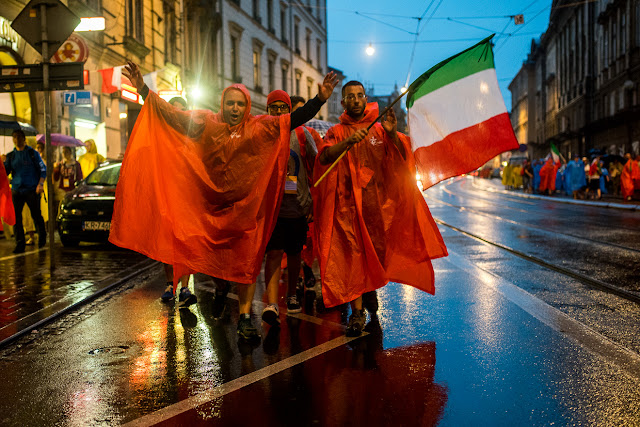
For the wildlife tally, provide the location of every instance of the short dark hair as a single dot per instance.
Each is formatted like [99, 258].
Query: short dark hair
[351, 83]
[296, 99]
[19, 132]
[179, 100]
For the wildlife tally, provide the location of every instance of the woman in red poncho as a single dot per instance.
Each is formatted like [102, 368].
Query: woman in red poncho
[201, 190]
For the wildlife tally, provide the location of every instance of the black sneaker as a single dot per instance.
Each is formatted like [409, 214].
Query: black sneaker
[19, 249]
[168, 293]
[186, 298]
[246, 330]
[293, 306]
[309, 277]
[356, 323]
[219, 304]
[271, 315]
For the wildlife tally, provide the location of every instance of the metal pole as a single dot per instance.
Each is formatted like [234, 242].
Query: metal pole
[47, 133]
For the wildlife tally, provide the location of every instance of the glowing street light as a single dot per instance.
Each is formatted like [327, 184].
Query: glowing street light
[370, 50]
[91, 24]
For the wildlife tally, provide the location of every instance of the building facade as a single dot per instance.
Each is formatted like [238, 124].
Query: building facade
[134, 30]
[579, 86]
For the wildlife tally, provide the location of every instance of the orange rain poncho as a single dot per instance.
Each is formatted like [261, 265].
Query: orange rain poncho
[372, 224]
[7, 211]
[199, 194]
[630, 173]
[548, 176]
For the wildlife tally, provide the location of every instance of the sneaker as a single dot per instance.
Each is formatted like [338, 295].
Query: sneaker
[246, 330]
[186, 298]
[19, 249]
[219, 304]
[293, 306]
[356, 323]
[29, 241]
[370, 302]
[271, 315]
[168, 293]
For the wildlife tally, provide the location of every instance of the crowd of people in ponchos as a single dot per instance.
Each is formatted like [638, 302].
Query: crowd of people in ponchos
[580, 178]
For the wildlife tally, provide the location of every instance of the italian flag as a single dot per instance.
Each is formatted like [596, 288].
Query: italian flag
[457, 117]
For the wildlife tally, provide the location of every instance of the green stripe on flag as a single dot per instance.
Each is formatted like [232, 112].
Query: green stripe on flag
[470, 61]
[554, 149]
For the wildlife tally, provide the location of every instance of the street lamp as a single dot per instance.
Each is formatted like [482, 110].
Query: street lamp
[370, 50]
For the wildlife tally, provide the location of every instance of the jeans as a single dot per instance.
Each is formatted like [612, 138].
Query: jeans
[32, 199]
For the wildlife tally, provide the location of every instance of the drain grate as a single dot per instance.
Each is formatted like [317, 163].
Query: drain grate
[118, 349]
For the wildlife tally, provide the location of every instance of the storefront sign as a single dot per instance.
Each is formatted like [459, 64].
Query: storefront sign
[8, 36]
[75, 49]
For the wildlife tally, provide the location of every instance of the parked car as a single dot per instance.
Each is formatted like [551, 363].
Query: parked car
[85, 212]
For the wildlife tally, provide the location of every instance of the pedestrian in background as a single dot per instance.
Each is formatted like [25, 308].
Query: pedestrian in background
[527, 177]
[28, 173]
[630, 173]
[615, 170]
[91, 159]
[594, 179]
[290, 232]
[66, 173]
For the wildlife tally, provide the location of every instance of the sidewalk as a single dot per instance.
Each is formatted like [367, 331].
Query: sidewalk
[31, 295]
[607, 201]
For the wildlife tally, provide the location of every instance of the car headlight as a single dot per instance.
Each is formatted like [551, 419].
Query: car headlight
[69, 211]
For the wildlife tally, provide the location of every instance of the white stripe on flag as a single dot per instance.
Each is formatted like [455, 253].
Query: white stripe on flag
[454, 107]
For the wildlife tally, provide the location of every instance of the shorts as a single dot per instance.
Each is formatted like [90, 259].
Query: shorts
[289, 235]
[594, 184]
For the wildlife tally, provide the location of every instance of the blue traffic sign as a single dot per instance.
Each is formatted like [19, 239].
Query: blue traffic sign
[69, 98]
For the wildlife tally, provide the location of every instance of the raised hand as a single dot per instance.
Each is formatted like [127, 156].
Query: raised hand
[390, 122]
[132, 72]
[326, 88]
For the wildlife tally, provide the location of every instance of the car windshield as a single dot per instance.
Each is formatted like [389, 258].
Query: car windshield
[106, 174]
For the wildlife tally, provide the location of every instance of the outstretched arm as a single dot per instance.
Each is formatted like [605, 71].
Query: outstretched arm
[182, 121]
[305, 113]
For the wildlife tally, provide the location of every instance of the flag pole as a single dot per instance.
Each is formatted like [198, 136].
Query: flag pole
[368, 128]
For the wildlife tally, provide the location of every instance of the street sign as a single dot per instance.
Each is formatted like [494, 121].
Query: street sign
[61, 23]
[83, 97]
[28, 78]
[74, 49]
[69, 98]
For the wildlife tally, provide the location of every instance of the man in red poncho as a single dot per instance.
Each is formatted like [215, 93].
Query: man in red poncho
[630, 173]
[201, 190]
[372, 223]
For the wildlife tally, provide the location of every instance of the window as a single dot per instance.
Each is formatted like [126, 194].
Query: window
[271, 70]
[255, 8]
[309, 87]
[298, 78]
[319, 53]
[283, 23]
[614, 46]
[307, 42]
[256, 70]
[270, 15]
[623, 34]
[296, 36]
[233, 53]
[170, 51]
[135, 20]
[285, 75]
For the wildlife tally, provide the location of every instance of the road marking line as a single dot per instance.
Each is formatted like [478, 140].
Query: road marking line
[24, 254]
[588, 338]
[234, 385]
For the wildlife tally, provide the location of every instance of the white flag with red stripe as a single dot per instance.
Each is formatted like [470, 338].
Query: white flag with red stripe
[457, 117]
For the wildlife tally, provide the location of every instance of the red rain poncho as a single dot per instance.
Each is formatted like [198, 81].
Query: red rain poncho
[199, 194]
[372, 224]
[7, 212]
[630, 173]
[548, 176]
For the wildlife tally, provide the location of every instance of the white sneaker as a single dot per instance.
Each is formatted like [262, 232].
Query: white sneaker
[271, 315]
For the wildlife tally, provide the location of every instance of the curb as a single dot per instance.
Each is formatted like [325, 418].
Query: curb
[612, 205]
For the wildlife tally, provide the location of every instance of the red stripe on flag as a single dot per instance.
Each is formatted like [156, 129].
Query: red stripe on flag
[107, 79]
[465, 150]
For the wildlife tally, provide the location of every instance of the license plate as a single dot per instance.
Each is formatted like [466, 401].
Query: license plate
[96, 225]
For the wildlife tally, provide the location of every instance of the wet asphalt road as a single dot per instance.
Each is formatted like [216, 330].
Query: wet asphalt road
[503, 342]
